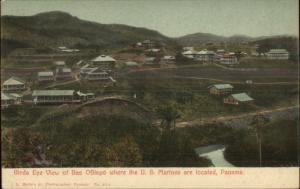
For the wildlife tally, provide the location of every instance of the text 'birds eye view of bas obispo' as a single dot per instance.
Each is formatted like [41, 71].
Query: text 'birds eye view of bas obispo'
[77, 93]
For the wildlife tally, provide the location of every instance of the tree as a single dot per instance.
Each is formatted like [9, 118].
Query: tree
[258, 123]
[168, 114]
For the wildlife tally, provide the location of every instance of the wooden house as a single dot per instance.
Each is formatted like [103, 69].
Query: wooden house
[220, 89]
[14, 84]
[8, 99]
[45, 76]
[237, 99]
[63, 73]
[104, 62]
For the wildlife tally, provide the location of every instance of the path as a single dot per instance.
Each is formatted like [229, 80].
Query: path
[222, 119]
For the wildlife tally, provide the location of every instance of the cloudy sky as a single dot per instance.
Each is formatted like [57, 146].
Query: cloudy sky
[176, 17]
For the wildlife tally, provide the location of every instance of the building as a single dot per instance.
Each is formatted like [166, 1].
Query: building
[94, 74]
[53, 96]
[188, 48]
[45, 76]
[229, 58]
[8, 99]
[238, 99]
[277, 54]
[60, 64]
[149, 60]
[148, 44]
[60, 96]
[220, 89]
[205, 56]
[14, 84]
[189, 54]
[104, 62]
[168, 59]
[131, 64]
[63, 73]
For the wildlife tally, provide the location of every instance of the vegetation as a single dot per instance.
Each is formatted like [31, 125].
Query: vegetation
[279, 146]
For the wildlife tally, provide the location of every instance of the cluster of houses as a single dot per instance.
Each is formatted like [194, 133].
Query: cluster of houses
[220, 56]
[272, 54]
[62, 72]
[226, 90]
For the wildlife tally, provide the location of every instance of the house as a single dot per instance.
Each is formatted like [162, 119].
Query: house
[148, 44]
[8, 99]
[53, 96]
[131, 64]
[228, 58]
[205, 56]
[168, 59]
[220, 89]
[149, 60]
[94, 74]
[104, 62]
[14, 84]
[60, 64]
[238, 99]
[63, 73]
[189, 54]
[45, 76]
[277, 54]
[188, 48]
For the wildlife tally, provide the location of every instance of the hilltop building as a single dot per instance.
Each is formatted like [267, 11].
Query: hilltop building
[8, 99]
[148, 44]
[45, 76]
[104, 62]
[205, 56]
[229, 58]
[277, 54]
[237, 99]
[168, 59]
[220, 89]
[94, 73]
[14, 84]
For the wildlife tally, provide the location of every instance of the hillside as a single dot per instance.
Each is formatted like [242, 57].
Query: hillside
[198, 39]
[52, 29]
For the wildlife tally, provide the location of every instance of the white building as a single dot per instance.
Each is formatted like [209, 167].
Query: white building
[205, 56]
[104, 62]
[277, 54]
[168, 59]
[229, 58]
[45, 76]
[14, 84]
[8, 99]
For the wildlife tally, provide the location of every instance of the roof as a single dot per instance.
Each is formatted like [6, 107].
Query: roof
[45, 74]
[80, 93]
[169, 57]
[149, 59]
[222, 86]
[53, 93]
[14, 81]
[66, 70]
[279, 51]
[5, 96]
[10, 96]
[59, 63]
[130, 63]
[103, 58]
[188, 52]
[242, 97]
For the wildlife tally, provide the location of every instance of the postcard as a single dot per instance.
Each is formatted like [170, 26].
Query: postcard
[149, 94]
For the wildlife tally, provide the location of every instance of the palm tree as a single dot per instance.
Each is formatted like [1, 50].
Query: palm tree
[169, 115]
[258, 123]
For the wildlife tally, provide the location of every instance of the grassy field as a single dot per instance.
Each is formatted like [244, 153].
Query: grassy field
[264, 63]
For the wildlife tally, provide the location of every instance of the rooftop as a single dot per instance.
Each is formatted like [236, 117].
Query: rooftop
[10, 96]
[278, 51]
[59, 63]
[45, 74]
[222, 86]
[131, 63]
[103, 58]
[242, 97]
[14, 81]
[53, 93]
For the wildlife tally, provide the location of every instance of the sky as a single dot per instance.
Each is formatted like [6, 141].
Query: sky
[176, 18]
